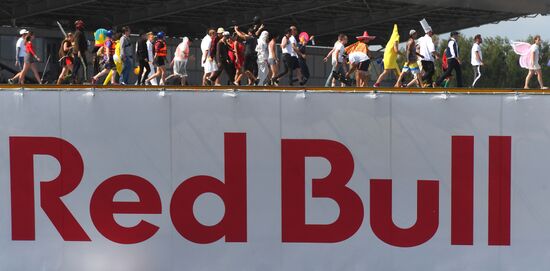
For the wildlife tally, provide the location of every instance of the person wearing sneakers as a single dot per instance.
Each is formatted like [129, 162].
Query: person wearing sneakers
[30, 61]
[20, 53]
[108, 56]
[338, 66]
[161, 51]
[477, 58]
[453, 57]
[411, 65]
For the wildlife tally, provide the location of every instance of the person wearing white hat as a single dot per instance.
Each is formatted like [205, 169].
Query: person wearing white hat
[20, 53]
[427, 50]
[411, 64]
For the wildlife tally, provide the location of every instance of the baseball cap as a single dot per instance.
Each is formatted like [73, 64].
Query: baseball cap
[454, 33]
[412, 32]
[221, 30]
[23, 32]
[226, 33]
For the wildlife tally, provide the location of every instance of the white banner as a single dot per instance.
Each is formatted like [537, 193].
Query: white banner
[137, 181]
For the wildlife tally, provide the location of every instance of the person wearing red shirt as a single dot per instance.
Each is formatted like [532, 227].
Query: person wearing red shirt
[30, 60]
[239, 59]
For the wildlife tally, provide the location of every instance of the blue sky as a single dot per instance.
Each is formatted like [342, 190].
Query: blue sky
[518, 30]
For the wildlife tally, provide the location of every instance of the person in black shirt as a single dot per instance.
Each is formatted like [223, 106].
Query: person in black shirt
[143, 58]
[453, 57]
[223, 60]
[250, 54]
[80, 48]
[302, 58]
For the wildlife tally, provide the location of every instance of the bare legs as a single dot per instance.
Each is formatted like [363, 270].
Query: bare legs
[539, 78]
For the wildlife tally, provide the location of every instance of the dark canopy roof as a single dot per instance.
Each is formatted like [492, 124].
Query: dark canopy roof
[322, 18]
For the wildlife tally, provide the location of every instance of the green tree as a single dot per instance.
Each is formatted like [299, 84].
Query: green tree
[501, 69]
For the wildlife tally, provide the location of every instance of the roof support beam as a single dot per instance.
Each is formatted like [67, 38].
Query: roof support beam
[136, 15]
[356, 20]
[26, 9]
[280, 11]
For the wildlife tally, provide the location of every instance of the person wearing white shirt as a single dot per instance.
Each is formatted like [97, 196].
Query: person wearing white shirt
[477, 58]
[337, 54]
[290, 57]
[427, 50]
[535, 67]
[453, 58]
[151, 56]
[20, 53]
[207, 62]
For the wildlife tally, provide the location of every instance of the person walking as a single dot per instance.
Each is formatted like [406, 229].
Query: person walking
[453, 57]
[20, 53]
[390, 57]
[223, 60]
[179, 63]
[411, 65]
[108, 59]
[207, 62]
[262, 51]
[80, 48]
[213, 55]
[161, 51]
[250, 54]
[290, 57]
[151, 57]
[304, 39]
[359, 59]
[427, 50]
[534, 65]
[273, 59]
[126, 55]
[66, 57]
[143, 59]
[477, 59]
[338, 66]
[30, 60]
[237, 57]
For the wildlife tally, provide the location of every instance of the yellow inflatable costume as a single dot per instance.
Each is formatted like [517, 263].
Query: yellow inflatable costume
[390, 56]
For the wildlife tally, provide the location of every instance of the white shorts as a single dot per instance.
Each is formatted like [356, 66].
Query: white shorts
[210, 66]
[536, 67]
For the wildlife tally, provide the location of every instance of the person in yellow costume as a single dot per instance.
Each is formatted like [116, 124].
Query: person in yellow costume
[390, 57]
[118, 62]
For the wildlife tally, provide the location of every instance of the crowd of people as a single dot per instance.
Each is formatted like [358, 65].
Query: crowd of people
[252, 58]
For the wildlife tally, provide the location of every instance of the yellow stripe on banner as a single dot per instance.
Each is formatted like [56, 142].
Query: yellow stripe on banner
[278, 89]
